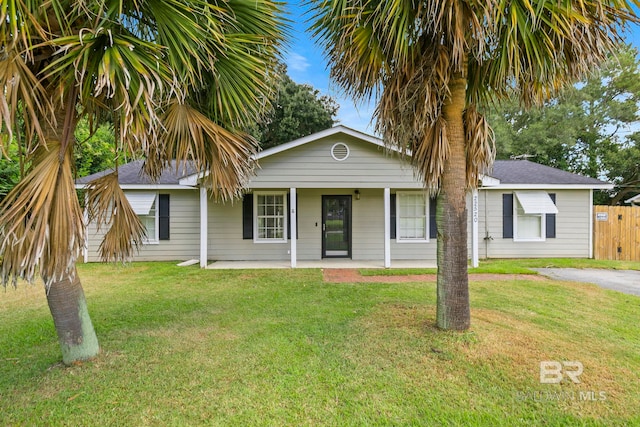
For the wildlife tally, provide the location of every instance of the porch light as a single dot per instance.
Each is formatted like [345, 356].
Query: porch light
[357, 192]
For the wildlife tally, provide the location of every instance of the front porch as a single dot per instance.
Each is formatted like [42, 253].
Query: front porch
[307, 222]
[333, 263]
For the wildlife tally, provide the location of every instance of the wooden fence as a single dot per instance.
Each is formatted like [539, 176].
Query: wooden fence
[616, 233]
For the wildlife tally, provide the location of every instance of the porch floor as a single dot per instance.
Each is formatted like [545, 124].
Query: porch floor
[325, 263]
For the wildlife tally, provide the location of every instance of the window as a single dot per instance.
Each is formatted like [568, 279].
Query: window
[270, 217]
[412, 215]
[153, 211]
[531, 209]
[150, 224]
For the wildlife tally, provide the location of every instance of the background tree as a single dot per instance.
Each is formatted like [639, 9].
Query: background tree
[585, 129]
[298, 110]
[9, 170]
[433, 64]
[95, 148]
[623, 169]
[94, 153]
[178, 79]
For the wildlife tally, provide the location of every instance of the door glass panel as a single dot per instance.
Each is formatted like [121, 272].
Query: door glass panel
[336, 224]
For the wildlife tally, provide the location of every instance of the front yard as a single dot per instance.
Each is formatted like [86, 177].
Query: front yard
[183, 346]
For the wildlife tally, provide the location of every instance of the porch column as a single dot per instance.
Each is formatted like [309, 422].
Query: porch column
[474, 228]
[293, 227]
[85, 217]
[203, 227]
[387, 228]
[591, 219]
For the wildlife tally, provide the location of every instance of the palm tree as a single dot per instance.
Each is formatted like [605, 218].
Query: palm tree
[432, 65]
[178, 79]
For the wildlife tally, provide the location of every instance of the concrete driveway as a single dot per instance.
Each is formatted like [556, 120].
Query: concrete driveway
[626, 281]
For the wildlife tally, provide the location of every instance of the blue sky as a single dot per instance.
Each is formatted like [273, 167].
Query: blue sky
[306, 64]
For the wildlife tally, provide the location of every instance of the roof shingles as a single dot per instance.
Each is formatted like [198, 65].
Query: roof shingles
[526, 172]
[131, 174]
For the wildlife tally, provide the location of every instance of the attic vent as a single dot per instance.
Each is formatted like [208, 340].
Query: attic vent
[339, 151]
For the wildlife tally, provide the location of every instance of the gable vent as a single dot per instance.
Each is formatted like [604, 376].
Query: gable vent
[339, 151]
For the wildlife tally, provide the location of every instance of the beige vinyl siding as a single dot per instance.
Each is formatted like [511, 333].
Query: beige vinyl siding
[368, 225]
[312, 166]
[572, 228]
[225, 237]
[184, 224]
[226, 243]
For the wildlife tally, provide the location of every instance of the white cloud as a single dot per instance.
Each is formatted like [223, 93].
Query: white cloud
[297, 62]
[357, 117]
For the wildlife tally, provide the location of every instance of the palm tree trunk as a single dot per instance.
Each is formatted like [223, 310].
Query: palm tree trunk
[451, 216]
[67, 303]
[68, 306]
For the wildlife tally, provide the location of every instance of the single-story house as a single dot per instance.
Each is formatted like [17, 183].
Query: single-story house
[340, 194]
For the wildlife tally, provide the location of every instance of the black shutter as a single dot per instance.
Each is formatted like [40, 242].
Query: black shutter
[551, 220]
[433, 227]
[163, 217]
[247, 216]
[507, 216]
[392, 215]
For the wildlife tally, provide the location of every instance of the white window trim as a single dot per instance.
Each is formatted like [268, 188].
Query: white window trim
[400, 239]
[257, 239]
[155, 240]
[543, 224]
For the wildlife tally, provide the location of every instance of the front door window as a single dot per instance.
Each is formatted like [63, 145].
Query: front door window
[336, 226]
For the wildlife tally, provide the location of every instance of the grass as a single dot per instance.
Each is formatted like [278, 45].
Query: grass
[183, 346]
[514, 266]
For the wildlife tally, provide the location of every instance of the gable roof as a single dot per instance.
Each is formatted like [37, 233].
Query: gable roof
[525, 172]
[515, 174]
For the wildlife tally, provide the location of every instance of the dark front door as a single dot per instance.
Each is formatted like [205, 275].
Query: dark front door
[336, 226]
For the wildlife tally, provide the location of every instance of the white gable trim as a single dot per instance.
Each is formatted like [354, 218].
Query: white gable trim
[144, 187]
[316, 136]
[489, 181]
[552, 187]
[154, 187]
[635, 200]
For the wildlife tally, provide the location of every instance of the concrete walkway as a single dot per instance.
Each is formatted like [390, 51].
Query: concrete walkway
[325, 263]
[625, 281]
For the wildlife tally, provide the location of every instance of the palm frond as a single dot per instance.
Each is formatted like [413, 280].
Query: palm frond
[23, 93]
[405, 53]
[117, 70]
[145, 64]
[41, 222]
[108, 207]
[192, 137]
[22, 25]
[241, 79]
[540, 48]
[481, 148]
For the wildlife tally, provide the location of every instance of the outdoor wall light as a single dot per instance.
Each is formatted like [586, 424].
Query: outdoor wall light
[357, 194]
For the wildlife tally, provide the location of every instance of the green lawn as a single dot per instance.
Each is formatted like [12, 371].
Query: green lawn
[182, 346]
